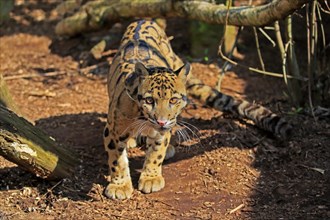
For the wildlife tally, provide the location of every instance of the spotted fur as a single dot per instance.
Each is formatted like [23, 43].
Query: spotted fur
[148, 85]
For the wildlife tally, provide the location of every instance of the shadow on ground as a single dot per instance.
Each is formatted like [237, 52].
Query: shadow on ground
[288, 185]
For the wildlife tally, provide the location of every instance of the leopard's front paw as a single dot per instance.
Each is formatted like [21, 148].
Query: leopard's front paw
[122, 191]
[151, 184]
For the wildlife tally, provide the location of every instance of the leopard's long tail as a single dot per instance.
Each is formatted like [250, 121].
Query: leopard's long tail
[261, 116]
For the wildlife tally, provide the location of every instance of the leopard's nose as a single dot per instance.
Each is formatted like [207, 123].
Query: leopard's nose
[162, 123]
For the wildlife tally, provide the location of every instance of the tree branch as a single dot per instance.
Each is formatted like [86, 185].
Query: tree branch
[96, 14]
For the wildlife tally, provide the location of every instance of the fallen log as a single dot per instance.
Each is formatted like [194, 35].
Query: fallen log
[30, 147]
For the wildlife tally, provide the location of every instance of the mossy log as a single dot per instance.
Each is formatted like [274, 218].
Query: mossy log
[29, 147]
[32, 149]
[96, 14]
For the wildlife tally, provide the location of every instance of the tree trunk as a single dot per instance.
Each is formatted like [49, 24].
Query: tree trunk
[28, 146]
[96, 14]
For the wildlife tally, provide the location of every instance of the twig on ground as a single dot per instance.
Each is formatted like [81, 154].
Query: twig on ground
[157, 200]
[33, 75]
[85, 71]
[109, 52]
[237, 208]
[52, 188]
[254, 188]
[100, 194]
[313, 168]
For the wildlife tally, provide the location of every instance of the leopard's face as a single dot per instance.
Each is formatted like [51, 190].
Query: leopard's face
[162, 96]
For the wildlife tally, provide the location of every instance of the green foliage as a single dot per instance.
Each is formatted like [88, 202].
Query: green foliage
[204, 39]
[5, 7]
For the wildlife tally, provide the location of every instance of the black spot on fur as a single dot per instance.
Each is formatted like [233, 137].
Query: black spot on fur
[159, 157]
[130, 79]
[128, 47]
[135, 91]
[166, 142]
[137, 29]
[112, 145]
[106, 132]
[251, 108]
[121, 149]
[160, 164]
[115, 163]
[155, 161]
[121, 76]
[227, 101]
[210, 100]
[273, 122]
[193, 85]
[113, 169]
[235, 107]
[158, 142]
[124, 137]
[286, 127]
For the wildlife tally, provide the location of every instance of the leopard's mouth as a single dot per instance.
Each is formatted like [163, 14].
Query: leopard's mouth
[158, 127]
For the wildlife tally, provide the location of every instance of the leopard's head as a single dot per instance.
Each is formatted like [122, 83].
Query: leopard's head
[161, 94]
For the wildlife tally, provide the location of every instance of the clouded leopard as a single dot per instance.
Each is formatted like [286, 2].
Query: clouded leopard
[148, 86]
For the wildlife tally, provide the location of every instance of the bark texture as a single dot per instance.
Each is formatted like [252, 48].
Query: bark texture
[96, 14]
[28, 146]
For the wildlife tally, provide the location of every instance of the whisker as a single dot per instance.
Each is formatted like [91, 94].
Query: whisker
[182, 135]
[189, 140]
[191, 125]
[185, 139]
[188, 128]
[141, 128]
[183, 131]
[138, 130]
[135, 123]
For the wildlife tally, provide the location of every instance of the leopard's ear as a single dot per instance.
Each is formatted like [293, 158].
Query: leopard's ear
[183, 71]
[141, 70]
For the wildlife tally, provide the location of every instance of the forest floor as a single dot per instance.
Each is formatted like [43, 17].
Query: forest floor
[232, 170]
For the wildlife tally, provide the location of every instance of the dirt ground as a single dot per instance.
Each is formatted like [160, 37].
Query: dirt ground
[232, 170]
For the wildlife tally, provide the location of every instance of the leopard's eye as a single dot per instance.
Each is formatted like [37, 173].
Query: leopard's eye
[149, 100]
[174, 100]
